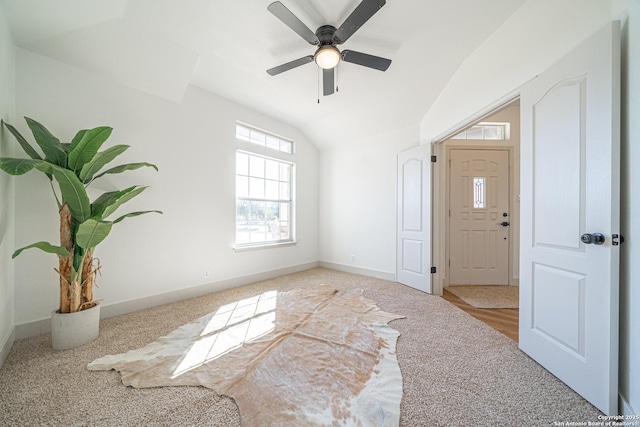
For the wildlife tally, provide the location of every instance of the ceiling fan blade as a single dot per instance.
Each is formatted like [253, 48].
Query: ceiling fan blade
[366, 60]
[328, 81]
[289, 65]
[292, 21]
[358, 17]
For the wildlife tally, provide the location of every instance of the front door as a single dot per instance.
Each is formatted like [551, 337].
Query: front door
[570, 206]
[479, 217]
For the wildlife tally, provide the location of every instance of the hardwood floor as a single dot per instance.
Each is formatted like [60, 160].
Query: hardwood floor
[504, 320]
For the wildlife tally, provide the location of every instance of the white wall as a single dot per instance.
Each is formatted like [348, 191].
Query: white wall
[537, 35]
[193, 144]
[358, 203]
[7, 99]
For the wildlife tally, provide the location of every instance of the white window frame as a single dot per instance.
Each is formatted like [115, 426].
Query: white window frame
[245, 177]
[263, 138]
[482, 127]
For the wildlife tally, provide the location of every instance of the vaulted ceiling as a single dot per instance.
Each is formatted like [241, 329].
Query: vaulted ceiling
[226, 46]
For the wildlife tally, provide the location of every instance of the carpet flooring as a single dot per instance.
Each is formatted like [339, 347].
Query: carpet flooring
[456, 370]
[487, 296]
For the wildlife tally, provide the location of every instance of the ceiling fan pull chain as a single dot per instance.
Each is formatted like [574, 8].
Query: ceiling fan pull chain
[319, 74]
[337, 75]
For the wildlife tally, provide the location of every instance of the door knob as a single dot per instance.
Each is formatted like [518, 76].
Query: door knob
[504, 224]
[595, 238]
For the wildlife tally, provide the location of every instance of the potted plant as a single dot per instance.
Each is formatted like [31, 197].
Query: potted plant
[83, 224]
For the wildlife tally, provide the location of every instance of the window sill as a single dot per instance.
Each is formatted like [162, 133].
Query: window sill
[263, 246]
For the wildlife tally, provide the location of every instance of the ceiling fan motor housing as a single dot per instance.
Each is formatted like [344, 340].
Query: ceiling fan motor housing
[326, 35]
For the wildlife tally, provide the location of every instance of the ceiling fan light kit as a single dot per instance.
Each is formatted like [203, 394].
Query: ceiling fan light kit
[327, 56]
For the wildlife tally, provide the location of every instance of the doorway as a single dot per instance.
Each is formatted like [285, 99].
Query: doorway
[476, 183]
[472, 255]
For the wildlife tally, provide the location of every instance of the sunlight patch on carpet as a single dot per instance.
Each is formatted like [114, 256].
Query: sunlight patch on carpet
[313, 356]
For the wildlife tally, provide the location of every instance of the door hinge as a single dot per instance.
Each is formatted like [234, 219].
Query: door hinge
[433, 159]
[433, 270]
[616, 239]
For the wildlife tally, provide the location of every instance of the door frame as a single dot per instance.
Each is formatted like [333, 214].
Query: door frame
[440, 217]
[514, 214]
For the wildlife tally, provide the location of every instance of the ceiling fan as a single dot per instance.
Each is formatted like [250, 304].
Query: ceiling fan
[327, 37]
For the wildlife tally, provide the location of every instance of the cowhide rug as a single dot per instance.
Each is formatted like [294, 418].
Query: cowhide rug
[310, 357]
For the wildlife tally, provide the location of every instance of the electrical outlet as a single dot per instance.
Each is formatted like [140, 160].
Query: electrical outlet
[206, 274]
[353, 258]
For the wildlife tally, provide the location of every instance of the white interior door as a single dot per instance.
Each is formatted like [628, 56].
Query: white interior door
[570, 190]
[413, 263]
[479, 217]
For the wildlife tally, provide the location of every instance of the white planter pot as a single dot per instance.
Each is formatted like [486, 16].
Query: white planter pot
[69, 330]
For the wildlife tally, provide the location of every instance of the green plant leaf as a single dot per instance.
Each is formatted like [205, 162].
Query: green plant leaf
[124, 198]
[88, 147]
[91, 232]
[132, 214]
[44, 246]
[73, 191]
[100, 160]
[31, 152]
[17, 166]
[76, 139]
[127, 167]
[49, 144]
[106, 199]
[78, 257]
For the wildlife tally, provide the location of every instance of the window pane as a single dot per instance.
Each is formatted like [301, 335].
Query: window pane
[273, 142]
[243, 133]
[271, 190]
[256, 166]
[284, 211]
[474, 132]
[256, 188]
[284, 191]
[493, 132]
[285, 172]
[242, 164]
[257, 137]
[257, 211]
[284, 230]
[286, 146]
[271, 170]
[243, 234]
[479, 193]
[242, 186]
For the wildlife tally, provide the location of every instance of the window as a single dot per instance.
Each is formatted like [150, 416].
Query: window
[486, 131]
[479, 193]
[263, 200]
[265, 139]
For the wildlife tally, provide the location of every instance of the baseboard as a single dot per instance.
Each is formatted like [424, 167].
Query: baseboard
[196, 291]
[625, 407]
[115, 309]
[6, 345]
[358, 270]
